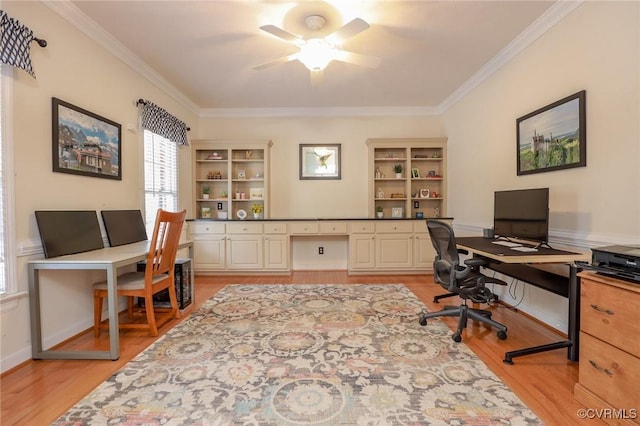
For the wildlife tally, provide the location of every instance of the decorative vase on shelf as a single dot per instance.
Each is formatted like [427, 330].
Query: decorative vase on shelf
[256, 215]
[205, 196]
[380, 215]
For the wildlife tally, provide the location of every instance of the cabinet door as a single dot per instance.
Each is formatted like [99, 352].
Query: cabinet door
[276, 252]
[424, 251]
[361, 251]
[394, 251]
[244, 252]
[208, 252]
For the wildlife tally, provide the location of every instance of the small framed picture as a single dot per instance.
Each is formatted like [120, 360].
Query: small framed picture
[431, 174]
[424, 193]
[205, 213]
[397, 212]
[415, 173]
[256, 193]
[241, 174]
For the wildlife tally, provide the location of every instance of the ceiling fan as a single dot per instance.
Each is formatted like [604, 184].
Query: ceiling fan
[317, 52]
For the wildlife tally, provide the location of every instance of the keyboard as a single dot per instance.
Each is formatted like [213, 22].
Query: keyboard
[506, 243]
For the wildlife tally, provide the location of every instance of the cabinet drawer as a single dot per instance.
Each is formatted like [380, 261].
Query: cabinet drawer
[362, 227]
[303, 227]
[608, 372]
[611, 314]
[393, 227]
[207, 228]
[333, 228]
[244, 228]
[275, 228]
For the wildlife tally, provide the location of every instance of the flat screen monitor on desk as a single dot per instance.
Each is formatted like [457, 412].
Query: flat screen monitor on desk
[123, 226]
[522, 213]
[68, 232]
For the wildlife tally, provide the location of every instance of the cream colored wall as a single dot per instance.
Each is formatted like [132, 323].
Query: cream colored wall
[596, 48]
[77, 70]
[295, 198]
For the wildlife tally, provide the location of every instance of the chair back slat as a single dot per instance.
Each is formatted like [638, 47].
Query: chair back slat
[164, 242]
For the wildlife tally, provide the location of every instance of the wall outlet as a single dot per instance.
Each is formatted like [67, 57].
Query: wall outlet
[219, 206]
[320, 250]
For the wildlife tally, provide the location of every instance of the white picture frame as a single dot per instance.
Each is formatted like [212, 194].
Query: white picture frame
[397, 212]
[424, 193]
[256, 193]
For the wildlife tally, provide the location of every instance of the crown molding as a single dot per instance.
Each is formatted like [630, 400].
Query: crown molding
[320, 112]
[93, 30]
[556, 13]
[552, 16]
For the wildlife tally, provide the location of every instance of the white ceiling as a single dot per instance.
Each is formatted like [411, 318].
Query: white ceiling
[205, 51]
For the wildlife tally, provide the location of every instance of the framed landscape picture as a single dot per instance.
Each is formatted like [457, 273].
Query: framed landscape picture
[553, 137]
[85, 143]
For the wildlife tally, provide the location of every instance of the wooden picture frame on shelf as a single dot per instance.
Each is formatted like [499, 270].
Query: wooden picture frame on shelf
[415, 173]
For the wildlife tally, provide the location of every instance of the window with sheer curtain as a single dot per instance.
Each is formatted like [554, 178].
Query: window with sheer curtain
[160, 176]
[7, 235]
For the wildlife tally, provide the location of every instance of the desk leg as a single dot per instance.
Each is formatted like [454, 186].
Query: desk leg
[112, 302]
[572, 344]
[34, 301]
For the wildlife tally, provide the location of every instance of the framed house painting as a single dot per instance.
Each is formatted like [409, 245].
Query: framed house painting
[85, 143]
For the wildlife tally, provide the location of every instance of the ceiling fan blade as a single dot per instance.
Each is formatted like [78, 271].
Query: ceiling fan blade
[358, 59]
[273, 62]
[280, 33]
[348, 30]
[316, 77]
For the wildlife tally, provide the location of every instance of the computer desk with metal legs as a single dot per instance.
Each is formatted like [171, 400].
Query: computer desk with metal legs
[516, 264]
[108, 259]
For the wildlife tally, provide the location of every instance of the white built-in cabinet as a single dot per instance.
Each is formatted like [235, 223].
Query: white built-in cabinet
[374, 246]
[420, 186]
[231, 178]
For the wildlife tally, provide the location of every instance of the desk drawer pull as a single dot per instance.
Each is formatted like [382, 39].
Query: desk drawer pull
[597, 367]
[599, 309]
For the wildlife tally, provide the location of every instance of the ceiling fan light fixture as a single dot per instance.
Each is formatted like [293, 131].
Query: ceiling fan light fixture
[316, 53]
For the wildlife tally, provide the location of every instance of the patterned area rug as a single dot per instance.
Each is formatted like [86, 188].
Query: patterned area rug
[304, 355]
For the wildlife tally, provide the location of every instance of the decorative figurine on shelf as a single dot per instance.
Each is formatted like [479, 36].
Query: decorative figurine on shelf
[380, 193]
[248, 153]
[378, 173]
[436, 212]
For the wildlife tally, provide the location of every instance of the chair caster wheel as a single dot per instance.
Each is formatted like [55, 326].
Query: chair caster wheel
[502, 335]
[423, 321]
[457, 338]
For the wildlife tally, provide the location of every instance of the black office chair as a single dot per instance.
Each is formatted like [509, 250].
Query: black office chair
[464, 280]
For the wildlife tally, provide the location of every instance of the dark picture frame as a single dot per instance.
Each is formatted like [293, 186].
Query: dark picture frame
[320, 161]
[553, 137]
[85, 143]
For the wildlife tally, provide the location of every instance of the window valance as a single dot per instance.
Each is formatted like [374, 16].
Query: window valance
[159, 121]
[15, 43]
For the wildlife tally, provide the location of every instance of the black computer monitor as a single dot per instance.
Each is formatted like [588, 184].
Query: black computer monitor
[522, 213]
[123, 226]
[68, 232]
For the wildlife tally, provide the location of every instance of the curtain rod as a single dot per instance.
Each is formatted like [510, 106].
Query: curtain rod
[41, 42]
[142, 102]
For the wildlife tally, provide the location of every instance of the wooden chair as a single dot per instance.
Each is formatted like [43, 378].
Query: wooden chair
[158, 275]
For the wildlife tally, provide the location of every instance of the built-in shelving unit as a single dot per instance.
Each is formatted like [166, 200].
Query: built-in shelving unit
[236, 176]
[420, 186]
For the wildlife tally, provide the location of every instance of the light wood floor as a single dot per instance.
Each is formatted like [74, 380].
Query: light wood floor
[37, 392]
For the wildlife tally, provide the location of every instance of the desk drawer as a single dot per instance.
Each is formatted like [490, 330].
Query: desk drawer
[608, 372]
[207, 228]
[244, 228]
[611, 314]
[275, 228]
[333, 228]
[303, 228]
[362, 227]
[393, 227]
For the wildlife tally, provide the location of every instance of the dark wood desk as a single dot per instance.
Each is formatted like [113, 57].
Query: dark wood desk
[515, 263]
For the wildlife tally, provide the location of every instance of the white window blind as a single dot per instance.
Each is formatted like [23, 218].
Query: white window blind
[160, 176]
